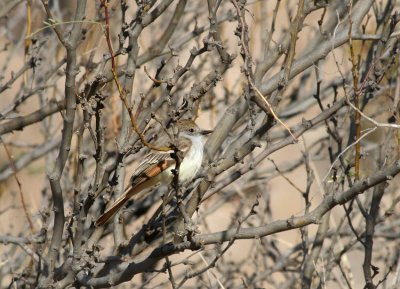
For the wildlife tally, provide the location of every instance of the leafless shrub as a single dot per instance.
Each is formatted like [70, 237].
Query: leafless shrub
[305, 92]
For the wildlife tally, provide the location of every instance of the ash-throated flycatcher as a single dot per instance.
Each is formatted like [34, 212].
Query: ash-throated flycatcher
[157, 167]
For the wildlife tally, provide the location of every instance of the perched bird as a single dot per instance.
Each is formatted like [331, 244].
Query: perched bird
[157, 166]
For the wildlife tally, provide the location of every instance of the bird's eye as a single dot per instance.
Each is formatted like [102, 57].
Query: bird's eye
[191, 130]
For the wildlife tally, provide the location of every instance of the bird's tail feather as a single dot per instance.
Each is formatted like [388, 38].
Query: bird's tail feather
[113, 210]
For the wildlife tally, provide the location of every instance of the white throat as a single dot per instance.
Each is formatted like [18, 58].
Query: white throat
[191, 163]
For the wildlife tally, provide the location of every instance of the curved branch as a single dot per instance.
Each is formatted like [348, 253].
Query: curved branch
[128, 270]
[20, 122]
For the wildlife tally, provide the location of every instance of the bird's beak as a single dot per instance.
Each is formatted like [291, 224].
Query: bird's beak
[206, 131]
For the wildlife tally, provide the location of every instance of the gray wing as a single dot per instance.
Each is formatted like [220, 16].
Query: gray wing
[153, 164]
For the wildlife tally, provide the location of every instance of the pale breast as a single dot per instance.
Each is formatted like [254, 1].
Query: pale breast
[191, 163]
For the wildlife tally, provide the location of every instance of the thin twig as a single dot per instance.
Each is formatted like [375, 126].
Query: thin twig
[122, 95]
[51, 19]
[357, 118]
[377, 124]
[272, 111]
[21, 194]
[152, 78]
[346, 149]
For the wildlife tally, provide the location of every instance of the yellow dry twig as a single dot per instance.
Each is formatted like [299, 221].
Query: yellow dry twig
[152, 78]
[272, 111]
[55, 24]
[377, 124]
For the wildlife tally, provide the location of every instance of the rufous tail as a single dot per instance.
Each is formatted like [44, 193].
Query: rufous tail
[113, 210]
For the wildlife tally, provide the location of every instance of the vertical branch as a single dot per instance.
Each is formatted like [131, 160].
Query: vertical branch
[371, 221]
[28, 32]
[293, 39]
[78, 210]
[357, 118]
[54, 176]
[266, 36]
[51, 20]
[122, 91]
[243, 35]
[214, 29]
[312, 258]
